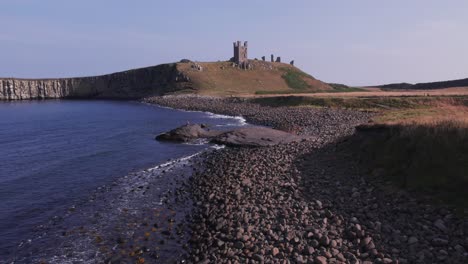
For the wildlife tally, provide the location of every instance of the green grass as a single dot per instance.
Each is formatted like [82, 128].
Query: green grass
[286, 92]
[339, 88]
[294, 79]
[429, 158]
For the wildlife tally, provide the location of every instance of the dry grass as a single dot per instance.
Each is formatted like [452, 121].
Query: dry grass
[377, 92]
[429, 116]
[221, 79]
[445, 109]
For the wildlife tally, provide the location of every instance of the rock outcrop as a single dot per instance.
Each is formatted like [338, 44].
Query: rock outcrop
[188, 133]
[254, 136]
[130, 84]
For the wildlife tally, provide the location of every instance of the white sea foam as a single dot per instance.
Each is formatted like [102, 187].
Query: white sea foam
[173, 162]
[239, 119]
[216, 146]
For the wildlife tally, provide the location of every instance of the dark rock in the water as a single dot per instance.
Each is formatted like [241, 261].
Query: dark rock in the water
[242, 137]
[187, 133]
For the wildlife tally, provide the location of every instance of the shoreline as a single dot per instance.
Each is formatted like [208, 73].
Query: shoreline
[141, 215]
[281, 205]
[53, 238]
[242, 120]
[294, 203]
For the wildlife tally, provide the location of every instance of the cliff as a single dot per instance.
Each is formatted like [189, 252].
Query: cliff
[208, 78]
[130, 84]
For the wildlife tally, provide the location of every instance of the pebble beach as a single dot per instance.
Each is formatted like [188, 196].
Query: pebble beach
[307, 202]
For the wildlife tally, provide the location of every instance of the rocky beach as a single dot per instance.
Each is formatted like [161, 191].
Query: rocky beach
[324, 132]
[308, 201]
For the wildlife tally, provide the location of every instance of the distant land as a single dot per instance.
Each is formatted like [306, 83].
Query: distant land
[425, 86]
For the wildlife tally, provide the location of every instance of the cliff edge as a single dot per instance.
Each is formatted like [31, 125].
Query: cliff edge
[130, 84]
[206, 78]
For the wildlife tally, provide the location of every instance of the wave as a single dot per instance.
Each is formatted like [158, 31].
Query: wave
[241, 121]
[183, 159]
[173, 162]
[110, 201]
[217, 147]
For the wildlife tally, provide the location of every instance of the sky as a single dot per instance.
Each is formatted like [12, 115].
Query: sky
[359, 42]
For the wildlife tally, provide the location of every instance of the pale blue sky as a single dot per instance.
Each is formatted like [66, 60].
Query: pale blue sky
[359, 42]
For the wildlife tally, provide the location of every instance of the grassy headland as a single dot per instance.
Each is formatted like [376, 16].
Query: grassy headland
[223, 79]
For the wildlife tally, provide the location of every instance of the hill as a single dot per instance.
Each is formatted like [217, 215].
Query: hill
[207, 78]
[223, 78]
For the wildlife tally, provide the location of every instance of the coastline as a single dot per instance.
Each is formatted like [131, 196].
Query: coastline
[289, 204]
[142, 215]
[302, 202]
[241, 119]
[86, 222]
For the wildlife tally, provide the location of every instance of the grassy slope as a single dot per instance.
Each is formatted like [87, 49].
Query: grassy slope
[220, 78]
[427, 158]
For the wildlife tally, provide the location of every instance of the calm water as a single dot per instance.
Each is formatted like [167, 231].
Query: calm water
[54, 153]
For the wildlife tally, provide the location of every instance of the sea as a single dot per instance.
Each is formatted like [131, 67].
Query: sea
[54, 154]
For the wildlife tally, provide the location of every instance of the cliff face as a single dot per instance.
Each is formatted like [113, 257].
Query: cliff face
[206, 78]
[130, 84]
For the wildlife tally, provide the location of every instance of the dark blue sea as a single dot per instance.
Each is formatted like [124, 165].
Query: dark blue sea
[53, 154]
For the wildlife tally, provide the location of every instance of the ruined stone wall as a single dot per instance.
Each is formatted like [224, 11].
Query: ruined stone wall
[122, 85]
[240, 52]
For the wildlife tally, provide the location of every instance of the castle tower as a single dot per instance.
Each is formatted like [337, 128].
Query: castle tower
[240, 52]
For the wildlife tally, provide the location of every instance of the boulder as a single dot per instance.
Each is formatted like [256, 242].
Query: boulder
[188, 133]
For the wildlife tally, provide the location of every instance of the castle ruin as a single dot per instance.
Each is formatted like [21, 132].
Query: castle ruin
[240, 56]
[240, 53]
